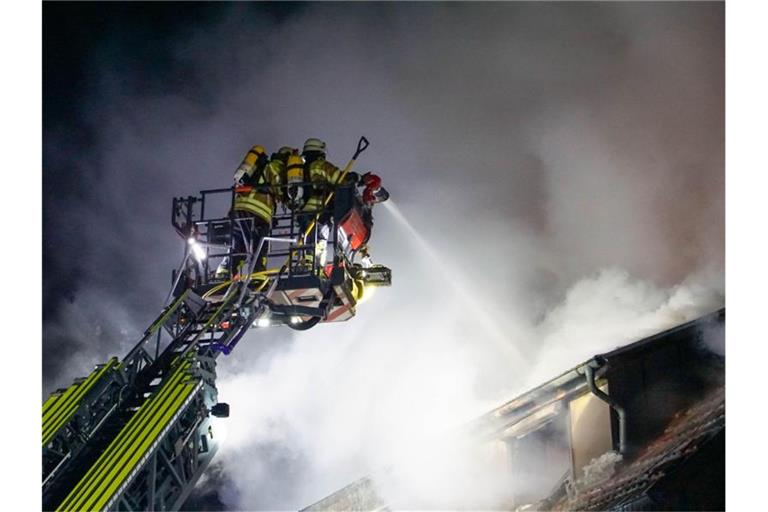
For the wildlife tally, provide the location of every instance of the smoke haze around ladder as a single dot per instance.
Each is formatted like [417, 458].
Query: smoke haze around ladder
[556, 173]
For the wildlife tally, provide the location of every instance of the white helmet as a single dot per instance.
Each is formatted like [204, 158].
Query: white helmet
[314, 145]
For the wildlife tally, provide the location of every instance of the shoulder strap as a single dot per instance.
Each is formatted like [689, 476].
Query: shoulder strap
[259, 175]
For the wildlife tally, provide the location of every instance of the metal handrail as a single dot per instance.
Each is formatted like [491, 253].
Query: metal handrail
[189, 219]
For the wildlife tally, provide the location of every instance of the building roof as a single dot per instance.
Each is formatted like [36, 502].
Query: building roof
[689, 432]
[696, 424]
[572, 382]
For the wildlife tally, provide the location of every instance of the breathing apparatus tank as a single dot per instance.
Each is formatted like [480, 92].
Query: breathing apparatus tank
[294, 177]
[256, 155]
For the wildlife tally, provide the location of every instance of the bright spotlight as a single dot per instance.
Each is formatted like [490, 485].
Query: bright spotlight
[295, 319]
[263, 322]
[197, 250]
[219, 430]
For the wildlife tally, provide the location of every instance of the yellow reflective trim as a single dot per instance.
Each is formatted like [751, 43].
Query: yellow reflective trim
[168, 313]
[130, 461]
[253, 195]
[259, 196]
[55, 422]
[273, 171]
[106, 464]
[313, 203]
[76, 391]
[107, 457]
[60, 402]
[125, 466]
[324, 171]
[255, 207]
[255, 203]
[49, 401]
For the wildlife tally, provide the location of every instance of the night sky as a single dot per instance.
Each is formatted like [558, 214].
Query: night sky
[562, 167]
[79, 40]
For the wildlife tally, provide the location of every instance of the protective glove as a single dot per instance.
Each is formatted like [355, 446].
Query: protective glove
[353, 178]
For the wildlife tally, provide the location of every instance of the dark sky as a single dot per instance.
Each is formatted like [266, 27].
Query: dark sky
[85, 45]
[559, 163]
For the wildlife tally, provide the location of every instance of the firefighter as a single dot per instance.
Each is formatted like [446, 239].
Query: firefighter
[321, 176]
[256, 180]
[277, 172]
[372, 193]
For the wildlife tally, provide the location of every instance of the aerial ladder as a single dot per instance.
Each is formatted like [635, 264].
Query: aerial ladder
[138, 432]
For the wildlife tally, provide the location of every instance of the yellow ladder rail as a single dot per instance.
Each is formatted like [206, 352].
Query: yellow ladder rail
[121, 457]
[60, 410]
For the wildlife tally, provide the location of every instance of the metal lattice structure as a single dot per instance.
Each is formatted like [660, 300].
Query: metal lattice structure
[137, 433]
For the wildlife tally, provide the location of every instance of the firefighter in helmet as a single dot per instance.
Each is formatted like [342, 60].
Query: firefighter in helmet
[319, 177]
[256, 181]
[362, 203]
[277, 171]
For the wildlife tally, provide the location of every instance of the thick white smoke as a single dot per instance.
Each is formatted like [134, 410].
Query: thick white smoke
[562, 163]
[387, 394]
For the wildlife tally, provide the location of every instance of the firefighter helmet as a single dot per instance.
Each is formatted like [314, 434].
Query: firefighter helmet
[314, 145]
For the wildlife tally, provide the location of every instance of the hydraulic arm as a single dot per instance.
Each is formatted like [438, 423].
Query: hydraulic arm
[137, 433]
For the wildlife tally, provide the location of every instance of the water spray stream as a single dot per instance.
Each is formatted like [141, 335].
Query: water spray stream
[463, 289]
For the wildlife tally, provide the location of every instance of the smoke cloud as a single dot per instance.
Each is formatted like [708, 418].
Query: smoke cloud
[557, 181]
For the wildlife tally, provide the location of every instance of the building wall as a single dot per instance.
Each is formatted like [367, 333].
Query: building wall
[590, 430]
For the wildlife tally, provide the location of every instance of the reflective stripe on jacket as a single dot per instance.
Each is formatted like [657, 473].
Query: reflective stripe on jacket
[323, 174]
[257, 203]
[273, 173]
[261, 202]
